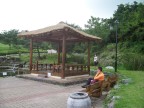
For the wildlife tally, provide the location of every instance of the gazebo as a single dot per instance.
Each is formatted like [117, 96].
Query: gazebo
[61, 34]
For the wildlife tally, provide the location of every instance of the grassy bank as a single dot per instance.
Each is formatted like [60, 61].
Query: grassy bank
[132, 95]
[5, 49]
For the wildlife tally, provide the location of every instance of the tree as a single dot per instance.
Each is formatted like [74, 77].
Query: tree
[131, 21]
[9, 37]
[76, 47]
[98, 27]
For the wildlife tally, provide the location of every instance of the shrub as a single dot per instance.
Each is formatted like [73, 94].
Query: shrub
[43, 57]
[133, 61]
[76, 58]
[107, 59]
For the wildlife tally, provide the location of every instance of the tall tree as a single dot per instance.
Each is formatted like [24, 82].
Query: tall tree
[98, 27]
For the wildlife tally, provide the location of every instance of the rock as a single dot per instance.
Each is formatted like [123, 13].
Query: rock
[126, 81]
[115, 98]
[109, 67]
[111, 105]
[117, 86]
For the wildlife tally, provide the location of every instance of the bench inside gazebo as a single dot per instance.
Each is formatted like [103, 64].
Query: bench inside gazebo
[61, 34]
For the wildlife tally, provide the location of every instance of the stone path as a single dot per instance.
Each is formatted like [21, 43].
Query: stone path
[23, 93]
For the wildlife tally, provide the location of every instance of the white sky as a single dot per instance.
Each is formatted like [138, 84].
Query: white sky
[35, 14]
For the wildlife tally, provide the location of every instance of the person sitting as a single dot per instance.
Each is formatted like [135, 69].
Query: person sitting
[98, 77]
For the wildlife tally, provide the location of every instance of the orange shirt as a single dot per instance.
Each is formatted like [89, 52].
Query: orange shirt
[99, 76]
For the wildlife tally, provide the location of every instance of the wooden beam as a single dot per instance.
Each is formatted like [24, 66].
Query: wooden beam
[31, 53]
[89, 57]
[63, 56]
[58, 53]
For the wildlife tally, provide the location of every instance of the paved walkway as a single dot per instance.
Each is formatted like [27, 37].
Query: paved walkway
[23, 93]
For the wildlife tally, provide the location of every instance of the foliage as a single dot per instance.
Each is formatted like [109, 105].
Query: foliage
[98, 27]
[130, 19]
[80, 48]
[75, 47]
[127, 58]
[74, 26]
[9, 37]
[45, 58]
[133, 61]
[48, 58]
[76, 58]
[133, 47]
[131, 22]
[130, 36]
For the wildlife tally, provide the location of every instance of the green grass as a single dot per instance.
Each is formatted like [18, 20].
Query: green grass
[4, 49]
[45, 58]
[48, 58]
[132, 95]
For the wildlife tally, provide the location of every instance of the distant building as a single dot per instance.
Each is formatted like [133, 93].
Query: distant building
[51, 51]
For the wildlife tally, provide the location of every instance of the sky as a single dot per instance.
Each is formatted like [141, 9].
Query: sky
[36, 14]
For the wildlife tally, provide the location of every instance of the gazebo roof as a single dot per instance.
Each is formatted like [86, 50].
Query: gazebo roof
[56, 32]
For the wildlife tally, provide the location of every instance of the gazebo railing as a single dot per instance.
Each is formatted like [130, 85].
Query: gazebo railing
[41, 67]
[70, 70]
[56, 70]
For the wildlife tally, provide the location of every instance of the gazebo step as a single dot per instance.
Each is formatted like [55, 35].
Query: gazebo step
[77, 77]
[54, 80]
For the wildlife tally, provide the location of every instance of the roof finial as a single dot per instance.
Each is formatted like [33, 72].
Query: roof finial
[61, 22]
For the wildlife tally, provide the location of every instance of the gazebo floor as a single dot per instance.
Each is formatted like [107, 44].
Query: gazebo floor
[56, 80]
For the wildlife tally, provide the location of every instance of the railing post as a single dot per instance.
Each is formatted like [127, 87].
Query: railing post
[58, 53]
[37, 65]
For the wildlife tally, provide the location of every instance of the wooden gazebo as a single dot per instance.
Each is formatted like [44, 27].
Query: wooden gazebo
[61, 34]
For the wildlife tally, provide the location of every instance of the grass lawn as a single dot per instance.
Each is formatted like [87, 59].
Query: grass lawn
[4, 49]
[132, 95]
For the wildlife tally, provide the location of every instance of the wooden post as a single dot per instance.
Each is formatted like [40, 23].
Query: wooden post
[58, 53]
[31, 53]
[37, 66]
[63, 56]
[89, 58]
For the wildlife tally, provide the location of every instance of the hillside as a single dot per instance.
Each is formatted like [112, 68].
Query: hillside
[129, 57]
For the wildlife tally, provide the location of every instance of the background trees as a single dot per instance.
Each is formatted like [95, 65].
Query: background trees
[131, 22]
[9, 37]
